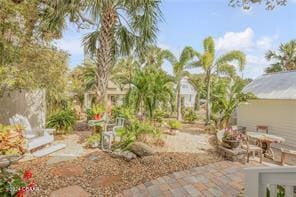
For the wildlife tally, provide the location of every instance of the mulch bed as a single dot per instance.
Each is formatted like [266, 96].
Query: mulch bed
[102, 175]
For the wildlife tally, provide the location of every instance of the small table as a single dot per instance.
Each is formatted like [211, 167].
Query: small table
[96, 123]
[267, 139]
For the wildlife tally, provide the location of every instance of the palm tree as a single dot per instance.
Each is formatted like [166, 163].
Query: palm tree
[179, 66]
[285, 59]
[150, 87]
[120, 26]
[219, 65]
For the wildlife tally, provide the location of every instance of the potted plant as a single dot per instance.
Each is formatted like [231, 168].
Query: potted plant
[174, 126]
[231, 138]
[93, 141]
[97, 111]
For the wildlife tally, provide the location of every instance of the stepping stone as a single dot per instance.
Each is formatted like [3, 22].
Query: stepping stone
[105, 181]
[70, 191]
[66, 170]
[48, 150]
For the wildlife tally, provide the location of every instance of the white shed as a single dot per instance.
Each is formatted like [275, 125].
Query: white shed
[274, 107]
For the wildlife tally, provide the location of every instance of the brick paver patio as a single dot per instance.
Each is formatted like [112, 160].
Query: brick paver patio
[218, 179]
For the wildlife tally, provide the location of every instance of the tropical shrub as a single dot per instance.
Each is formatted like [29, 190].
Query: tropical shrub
[174, 124]
[11, 140]
[189, 115]
[63, 121]
[93, 139]
[131, 132]
[227, 94]
[123, 112]
[159, 115]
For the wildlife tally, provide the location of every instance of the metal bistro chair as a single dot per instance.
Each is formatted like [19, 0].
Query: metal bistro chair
[250, 148]
[110, 135]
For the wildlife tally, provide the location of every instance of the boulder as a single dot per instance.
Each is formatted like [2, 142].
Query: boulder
[126, 155]
[142, 149]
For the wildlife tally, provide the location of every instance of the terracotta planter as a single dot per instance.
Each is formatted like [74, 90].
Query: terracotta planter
[98, 117]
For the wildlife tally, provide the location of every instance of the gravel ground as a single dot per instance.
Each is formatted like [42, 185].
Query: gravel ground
[85, 171]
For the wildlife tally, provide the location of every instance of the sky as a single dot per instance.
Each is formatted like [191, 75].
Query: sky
[189, 22]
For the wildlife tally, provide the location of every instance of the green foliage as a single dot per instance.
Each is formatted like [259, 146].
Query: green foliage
[63, 121]
[222, 65]
[124, 112]
[93, 139]
[189, 115]
[227, 94]
[246, 4]
[159, 115]
[174, 124]
[10, 184]
[97, 109]
[150, 87]
[284, 59]
[132, 131]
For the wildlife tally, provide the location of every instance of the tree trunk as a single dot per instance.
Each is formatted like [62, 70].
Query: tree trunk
[197, 102]
[208, 108]
[179, 107]
[104, 52]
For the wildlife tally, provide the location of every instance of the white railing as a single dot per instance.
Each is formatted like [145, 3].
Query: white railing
[260, 178]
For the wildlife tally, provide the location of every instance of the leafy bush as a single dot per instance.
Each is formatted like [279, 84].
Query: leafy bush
[131, 132]
[89, 114]
[11, 140]
[124, 112]
[174, 124]
[63, 121]
[98, 109]
[93, 139]
[190, 115]
[159, 115]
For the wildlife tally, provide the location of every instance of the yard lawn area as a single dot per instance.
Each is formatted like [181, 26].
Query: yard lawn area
[99, 173]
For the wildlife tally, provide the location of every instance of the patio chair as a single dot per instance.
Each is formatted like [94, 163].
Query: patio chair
[250, 148]
[110, 135]
[36, 138]
[262, 128]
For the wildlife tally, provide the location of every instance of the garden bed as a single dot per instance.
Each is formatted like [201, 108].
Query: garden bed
[100, 174]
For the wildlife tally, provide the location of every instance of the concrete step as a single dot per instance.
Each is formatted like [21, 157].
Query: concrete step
[48, 150]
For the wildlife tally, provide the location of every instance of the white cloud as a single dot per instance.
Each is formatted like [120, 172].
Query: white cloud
[236, 40]
[255, 49]
[255, 65]
[264, 43]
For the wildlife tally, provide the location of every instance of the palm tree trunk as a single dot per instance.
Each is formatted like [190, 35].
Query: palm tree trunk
[104, 52]
[179, 110]
[208, 109]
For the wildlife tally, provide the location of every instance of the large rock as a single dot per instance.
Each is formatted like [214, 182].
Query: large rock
[67, 170]
[70, 191]
[142, 149]
[126, 155]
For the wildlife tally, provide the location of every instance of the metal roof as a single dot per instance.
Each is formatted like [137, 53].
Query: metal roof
[274, 86]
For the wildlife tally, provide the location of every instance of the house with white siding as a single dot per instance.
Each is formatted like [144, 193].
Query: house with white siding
[188, 93]
[274, 106]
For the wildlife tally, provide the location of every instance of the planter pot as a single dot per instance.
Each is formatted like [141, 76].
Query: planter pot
[98, 117]
[233, 144]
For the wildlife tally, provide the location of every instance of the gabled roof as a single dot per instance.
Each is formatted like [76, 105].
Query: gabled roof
[280, 85]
